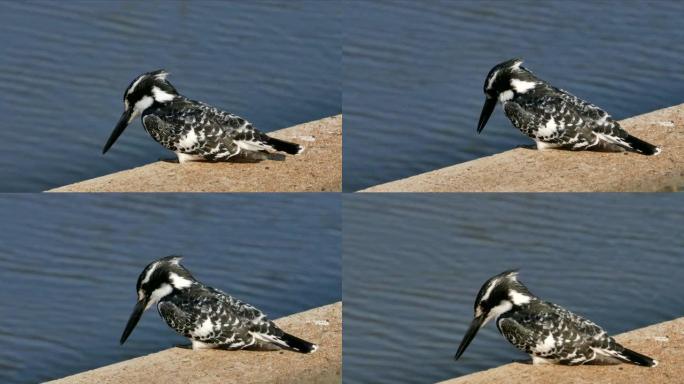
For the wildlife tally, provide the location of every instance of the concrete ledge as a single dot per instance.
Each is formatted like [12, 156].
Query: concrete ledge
[322, 326]
[663, 342]
[317, 169]
[527, 170]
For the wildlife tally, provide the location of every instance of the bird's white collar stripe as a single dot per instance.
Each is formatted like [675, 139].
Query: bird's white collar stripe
[179, 282]
[160, 95]
[522, 86]
[519, 298]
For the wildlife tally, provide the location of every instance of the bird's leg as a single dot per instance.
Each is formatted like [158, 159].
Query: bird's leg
[185, 158]
[523, 361]
[536, 360]
[276, 156]
[248, 157]
[200, 345]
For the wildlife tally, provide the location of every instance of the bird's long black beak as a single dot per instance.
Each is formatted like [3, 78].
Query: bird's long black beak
[487, 110]
[470, 335]
[133, 320]
[118, 130]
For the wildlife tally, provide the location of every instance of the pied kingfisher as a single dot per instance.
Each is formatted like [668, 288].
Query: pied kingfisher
[553, 117]
[191, 129]
[547, 332]
[206, 316]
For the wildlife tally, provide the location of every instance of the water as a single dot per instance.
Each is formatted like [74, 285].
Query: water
[70, 264]
[414, 71]
[413, 265]
[64, 66]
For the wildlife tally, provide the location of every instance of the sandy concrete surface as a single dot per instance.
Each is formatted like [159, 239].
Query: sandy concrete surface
[322, 326]
[663, 342]
[529, 170]
[317, 169]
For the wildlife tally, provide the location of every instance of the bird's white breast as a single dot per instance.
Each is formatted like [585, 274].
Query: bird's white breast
[204, 330]
[549, 129]
[189, 140]
[547, 345]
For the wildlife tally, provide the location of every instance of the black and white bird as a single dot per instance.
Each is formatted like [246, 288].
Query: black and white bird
[553, 117]
[193, 130]
[547, 332]
[206, 316]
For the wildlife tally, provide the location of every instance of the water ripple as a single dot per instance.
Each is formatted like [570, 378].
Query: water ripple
[414, 72]
[414, 263]
[66, 65]
[70, 264]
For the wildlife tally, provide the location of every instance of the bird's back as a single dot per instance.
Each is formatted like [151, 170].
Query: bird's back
[186, 113]
[551, 102]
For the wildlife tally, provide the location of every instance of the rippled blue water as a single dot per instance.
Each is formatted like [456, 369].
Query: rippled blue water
[64, 66]
[414, 70]
[413, 265]
[70, 265]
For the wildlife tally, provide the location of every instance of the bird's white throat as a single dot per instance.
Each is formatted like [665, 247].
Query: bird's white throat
[499, 310]
[158, 294]
[140, 106]
[505, 96]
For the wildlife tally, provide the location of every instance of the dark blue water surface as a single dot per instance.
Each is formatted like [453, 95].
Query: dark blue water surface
[413, 265]
[64, 66]
[70, 265]
[414, 71]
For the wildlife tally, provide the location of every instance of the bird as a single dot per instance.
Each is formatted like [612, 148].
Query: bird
[207, 316]
[193, 130]
[552, 117]
[549, 333]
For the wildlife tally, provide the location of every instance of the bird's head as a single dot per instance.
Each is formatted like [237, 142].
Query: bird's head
[503, 82]
[497, 296]
[143, 92]
[159, 279]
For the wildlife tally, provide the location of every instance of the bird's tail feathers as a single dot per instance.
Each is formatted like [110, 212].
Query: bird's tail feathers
[284, 146]
[294, 343]
[629, 356]
[641, 146]
[287, 341]
[630, 143]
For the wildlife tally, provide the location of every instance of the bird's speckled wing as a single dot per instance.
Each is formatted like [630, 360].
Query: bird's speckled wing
[550, 118]
[198, 129]
[552, 332]
[571, 111]
[213, 317]
[604, 123]
[538, 120]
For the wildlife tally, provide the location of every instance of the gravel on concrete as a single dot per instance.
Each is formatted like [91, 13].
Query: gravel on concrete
[663, 342]
[322, 326]
[529, 170]
[317, 169]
